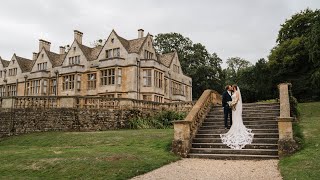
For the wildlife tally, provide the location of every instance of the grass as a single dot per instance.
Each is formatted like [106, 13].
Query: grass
[85, 155]
[269, 101]
[305, 164]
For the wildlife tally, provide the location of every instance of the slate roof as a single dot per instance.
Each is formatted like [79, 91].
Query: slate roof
[90, 53]
[5, 63]
[132, 46]
[135, 45]
[55, 59]
[166, 59]
[25, 64]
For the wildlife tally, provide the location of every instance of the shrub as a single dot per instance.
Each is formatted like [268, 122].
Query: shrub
[160, 120]
[294, 109]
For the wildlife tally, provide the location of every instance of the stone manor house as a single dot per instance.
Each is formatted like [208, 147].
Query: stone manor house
[120, 68]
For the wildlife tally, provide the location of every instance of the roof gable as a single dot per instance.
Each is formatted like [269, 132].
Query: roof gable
[79, 50]
[4, 63]
[114, 41]
[24, 63]
[166, 59]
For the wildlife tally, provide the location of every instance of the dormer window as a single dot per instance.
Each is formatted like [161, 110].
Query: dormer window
[148, 44]
[176, 68]
[13, 72]
[110, 53]
[13, 61]
[74, 48]
[42, 66]
[116, 52]
[42, 55]
[74, 60]
[112, 40]
[148, 55]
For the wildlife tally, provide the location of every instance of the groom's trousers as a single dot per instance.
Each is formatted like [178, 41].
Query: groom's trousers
[227, 112]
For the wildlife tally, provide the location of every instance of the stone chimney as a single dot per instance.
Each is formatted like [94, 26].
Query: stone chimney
[34, 55]
[140, 33]
[78, 36]
[62, 50]
[44, 44]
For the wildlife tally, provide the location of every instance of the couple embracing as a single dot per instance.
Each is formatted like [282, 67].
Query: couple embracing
[238, 135]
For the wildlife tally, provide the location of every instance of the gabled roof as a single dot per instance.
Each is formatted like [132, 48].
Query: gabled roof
[55, 59]
[132, 46]
[25, 64]
[166, 59]
[5, 63]
[90, 53]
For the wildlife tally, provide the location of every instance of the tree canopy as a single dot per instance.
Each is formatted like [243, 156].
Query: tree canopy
[204, 68]
[294, 59]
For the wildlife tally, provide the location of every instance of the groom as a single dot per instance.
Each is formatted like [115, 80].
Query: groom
[226, 96]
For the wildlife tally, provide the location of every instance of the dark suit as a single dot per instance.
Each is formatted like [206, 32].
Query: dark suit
[226, 109]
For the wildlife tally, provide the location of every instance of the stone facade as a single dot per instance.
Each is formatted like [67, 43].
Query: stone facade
[120, 68]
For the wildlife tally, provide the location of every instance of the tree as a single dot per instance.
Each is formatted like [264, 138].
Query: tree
[295, 58]
[204, 68]
[234, 66]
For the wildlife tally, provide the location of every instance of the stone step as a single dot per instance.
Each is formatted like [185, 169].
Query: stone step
[250, 109]
[243, 116]
[220, 110]
[255, 114]
[256, 135]
[234, 151]
[218, 140]
[248, 146]
[222, 130]
[232, 156]
[211, 123]
[259, 126]
[253, 106]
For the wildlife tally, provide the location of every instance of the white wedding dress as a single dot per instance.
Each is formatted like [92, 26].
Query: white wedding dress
[238, 136]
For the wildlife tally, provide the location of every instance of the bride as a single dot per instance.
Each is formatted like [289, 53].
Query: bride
[238, 136]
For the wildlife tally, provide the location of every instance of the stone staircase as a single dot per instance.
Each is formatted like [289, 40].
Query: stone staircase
[261, 118]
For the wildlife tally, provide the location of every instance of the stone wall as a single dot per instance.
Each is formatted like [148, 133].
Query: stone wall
[26, 120]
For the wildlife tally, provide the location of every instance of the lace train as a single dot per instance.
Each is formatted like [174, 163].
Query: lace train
[237, 138]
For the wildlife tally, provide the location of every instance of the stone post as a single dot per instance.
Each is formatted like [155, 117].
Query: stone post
[8, 102]
[67, 102]
[286, 143]
[284, 121]
[181, 141]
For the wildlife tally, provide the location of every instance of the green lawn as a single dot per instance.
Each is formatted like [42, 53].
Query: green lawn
[85, 155]
[305, 164]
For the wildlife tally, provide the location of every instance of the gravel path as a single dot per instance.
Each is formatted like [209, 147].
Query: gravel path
[216, 169]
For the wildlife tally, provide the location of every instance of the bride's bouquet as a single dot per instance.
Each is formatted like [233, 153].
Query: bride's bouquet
[232, 104]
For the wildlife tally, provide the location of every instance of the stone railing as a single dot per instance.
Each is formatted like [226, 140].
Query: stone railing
[90, 102]
[35, 102]
[185, 130]
[286, 142]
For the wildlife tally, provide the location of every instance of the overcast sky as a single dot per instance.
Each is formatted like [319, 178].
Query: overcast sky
[244, 28]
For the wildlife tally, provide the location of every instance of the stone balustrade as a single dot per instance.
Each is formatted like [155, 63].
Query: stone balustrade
[90, 102]
[185, 130]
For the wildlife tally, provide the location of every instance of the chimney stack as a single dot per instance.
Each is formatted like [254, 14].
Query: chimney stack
[78, 36]
[34, 55]
[44, 44]
[62, 50]
[140, 33]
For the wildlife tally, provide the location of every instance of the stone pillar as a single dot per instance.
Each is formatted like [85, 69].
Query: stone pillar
[8, 102]
[284, 121]
[181, 142]
[286, 143]
[67, 102]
